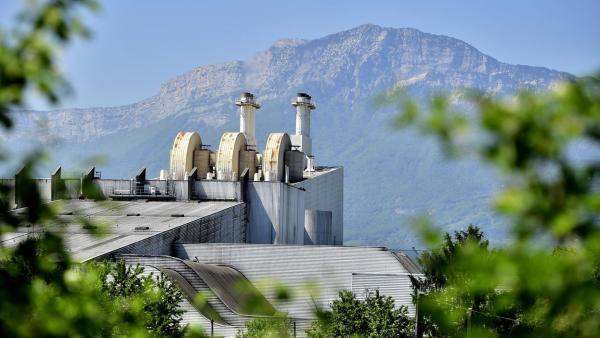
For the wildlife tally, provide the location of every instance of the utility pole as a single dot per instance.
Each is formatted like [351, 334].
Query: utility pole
[469, 321]
[418, 334]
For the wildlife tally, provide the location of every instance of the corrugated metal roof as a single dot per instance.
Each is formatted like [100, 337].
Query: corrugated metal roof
[232, 288]
[196, 279]
[127, 222]
[408, 263]
[328, 269]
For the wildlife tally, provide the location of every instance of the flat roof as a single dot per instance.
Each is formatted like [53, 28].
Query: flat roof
[121, 219]
[319, 170]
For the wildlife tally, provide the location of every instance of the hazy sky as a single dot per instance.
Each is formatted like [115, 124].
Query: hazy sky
[137, 45]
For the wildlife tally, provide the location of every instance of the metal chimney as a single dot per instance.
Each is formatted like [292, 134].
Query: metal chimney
[248, 109]
[303, 106]
[302, 139]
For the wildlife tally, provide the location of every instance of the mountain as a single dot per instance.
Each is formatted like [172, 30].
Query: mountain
[390, 176]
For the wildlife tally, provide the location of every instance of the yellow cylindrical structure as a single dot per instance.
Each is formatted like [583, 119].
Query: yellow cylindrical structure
[274, 156]
[228, 156]
[182, 153]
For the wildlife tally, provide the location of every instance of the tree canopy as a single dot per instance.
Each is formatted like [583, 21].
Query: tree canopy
[545, 281]
[376, 316]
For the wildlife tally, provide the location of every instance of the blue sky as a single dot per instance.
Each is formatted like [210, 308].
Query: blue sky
[137, 45]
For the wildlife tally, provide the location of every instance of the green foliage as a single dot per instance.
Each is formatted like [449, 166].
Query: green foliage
[435, 262]
[43, 292]
[439, 265]
[545, 282]
[373, 317]
[268, 327]
[125, 286]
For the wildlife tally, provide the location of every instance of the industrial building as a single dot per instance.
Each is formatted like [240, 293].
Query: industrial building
[234, 215]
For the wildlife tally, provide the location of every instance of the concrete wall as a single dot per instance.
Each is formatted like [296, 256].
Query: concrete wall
[325, 191]
[275, 213]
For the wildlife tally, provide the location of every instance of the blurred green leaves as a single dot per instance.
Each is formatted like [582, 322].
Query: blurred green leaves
[28, 53]
[545, 282]
[43, 293]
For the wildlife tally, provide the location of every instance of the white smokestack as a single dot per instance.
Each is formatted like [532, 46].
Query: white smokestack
[302, 139]
[248, 109]
[303, 107]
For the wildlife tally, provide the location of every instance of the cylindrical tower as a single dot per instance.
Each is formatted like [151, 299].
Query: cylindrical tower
[248, 109]
[182, 153]
[303, 106]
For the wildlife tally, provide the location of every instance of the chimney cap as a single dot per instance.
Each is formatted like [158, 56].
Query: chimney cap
[247, 99]
[303, 99]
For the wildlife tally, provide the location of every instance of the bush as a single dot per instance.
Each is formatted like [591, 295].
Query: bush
[373, 317]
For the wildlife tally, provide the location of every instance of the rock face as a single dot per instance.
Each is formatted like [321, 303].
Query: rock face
[390, 177]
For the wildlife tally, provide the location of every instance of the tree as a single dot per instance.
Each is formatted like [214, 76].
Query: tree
[438, 267]
[43, 293]
[125, 285]
[268, 327]
[545, 280]
[373, 317]
[436, 261]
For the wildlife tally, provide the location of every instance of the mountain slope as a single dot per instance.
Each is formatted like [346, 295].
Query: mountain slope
[390, 177]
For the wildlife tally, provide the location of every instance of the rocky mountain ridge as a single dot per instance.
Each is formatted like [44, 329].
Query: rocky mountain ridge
[389, 177]
[354, 63]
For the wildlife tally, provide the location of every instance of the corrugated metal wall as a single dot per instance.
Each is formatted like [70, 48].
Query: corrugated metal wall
[181, 190]
[387, 284]
[275, 213]
[45, 188]
[317, 227]
[325, 191]
[217, 190]
[108, 187]
[72, 187]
